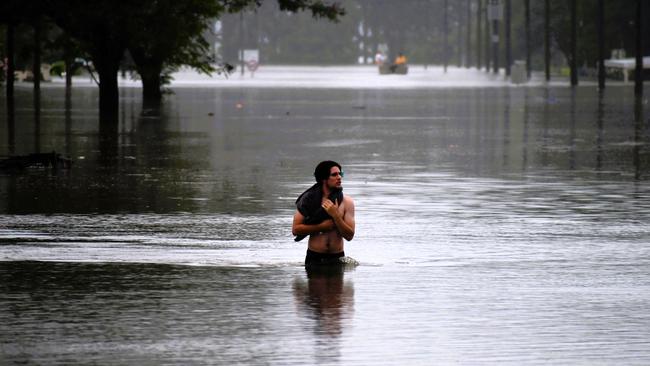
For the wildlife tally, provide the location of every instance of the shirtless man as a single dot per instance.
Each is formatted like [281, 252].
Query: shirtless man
[326, 238]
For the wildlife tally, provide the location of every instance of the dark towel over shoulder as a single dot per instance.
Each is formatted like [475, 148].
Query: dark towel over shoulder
[309, 204]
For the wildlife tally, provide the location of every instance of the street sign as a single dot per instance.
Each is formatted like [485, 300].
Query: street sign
[251, 55]
[252, 65]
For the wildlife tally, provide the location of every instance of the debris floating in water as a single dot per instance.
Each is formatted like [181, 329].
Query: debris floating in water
[36, 160]
[348, 261]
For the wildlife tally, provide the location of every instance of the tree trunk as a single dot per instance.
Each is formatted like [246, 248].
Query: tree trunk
[36, 62]
[151, 87]
[109, 94]
[69, 60]
[36, 71]
[150, 71]
[10, 88]
[10, 68]
[638, 72]
[547, 39]
[109, 105]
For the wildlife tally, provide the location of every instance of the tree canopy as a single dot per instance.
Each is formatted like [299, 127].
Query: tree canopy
[160, 34]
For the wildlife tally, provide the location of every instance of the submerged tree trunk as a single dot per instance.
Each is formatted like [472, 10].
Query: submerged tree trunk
[36, 71]
[10, 68]
[150, 69]
[36, 63]
[69, 60]
[547, 40]
[151, 87]
[638, 71]
[10, 88]
[109, 105]
[109, 95]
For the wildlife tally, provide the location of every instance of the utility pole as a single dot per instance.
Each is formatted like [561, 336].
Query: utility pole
[459, 44]
[529, 67]
[468, 56]
[508, 40]
[365, 40]
[547, 40]
[495, 46]
[495, 14]
[446, 31]
[574, 43]
[601, 44]
[428, 59]
[638, 74]
[36, 63]
[488, 38]
[479, 35]
[241, 42]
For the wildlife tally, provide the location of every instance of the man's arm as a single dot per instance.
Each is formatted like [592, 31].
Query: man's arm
[344, 222]
[298, 228]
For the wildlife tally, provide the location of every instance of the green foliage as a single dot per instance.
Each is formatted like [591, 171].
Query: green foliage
[169, 33]
[619, 29]
[162, 35]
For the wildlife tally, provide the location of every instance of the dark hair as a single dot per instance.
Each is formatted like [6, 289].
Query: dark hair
[322, 171]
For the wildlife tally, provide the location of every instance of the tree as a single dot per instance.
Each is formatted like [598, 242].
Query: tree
[101, 27]
[618, 22]
[167, 34]
[160, 34]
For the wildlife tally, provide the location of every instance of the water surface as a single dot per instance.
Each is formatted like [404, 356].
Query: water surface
[494, 226]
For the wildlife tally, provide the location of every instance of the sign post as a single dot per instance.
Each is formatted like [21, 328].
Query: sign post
[251, 58]
[494, 15]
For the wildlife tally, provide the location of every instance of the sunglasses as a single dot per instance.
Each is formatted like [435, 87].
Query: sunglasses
[336, 174]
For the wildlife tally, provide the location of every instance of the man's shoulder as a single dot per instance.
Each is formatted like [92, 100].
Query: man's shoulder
[347, 199]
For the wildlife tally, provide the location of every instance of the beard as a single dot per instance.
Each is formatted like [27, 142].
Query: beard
[335, 189]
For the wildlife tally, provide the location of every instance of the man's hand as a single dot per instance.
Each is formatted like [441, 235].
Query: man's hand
[327, 225]
[332, 208]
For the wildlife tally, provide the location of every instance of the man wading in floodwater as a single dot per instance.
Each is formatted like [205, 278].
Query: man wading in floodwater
[326, 215]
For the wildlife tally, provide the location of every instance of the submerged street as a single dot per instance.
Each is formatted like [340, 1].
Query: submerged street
[495, 224]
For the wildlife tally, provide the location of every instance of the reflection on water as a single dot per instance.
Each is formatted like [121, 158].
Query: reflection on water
[200, 153]
[113, 314]
[639, 140]
[500, 225]
[328, 300]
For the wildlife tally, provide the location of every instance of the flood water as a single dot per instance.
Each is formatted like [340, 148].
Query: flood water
[494, 226]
